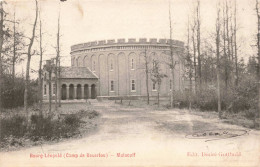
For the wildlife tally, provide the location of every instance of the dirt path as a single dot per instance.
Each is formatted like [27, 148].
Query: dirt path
[150, 138]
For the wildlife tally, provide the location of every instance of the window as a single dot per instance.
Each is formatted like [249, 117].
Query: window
[133, 85]
[170, 84]
[45, 90]
[94, 66]
[112, 86]
[54, 89]
[153, 63]
[111, 66]
[132, 64]
[154, 86]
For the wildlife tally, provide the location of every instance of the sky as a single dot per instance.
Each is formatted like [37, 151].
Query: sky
[90, 20]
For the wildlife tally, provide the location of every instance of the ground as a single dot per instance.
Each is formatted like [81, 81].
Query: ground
[132, 135]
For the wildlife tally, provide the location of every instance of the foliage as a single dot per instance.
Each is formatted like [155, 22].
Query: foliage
[14, 126]
[14, 130]
[13, 92]
[51, 129]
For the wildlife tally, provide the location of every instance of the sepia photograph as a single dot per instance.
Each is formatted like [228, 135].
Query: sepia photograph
[129, 83]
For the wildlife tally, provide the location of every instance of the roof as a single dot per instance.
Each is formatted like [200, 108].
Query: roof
[77, 72]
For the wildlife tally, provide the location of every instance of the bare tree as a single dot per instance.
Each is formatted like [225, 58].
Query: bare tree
[18, 45]
[146, 59]
[156, 77]
[194, 53]
[224, 45]
[49, 69]
[1, 48]
[198, 42]
[235, 44]
[258, 54]
[40, 66]
[227, 30]
[218, 25]
[189, 60]
[172, 62]
[14, 49]
[29, 55]
[57, 69]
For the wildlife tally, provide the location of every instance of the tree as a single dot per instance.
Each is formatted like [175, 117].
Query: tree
[29, 55]
[40, 67]
[258, 53]
[1, 48]
[193, 29]
[172, 61]
[49, 68]
[156, 77]
[4, 34]
[189, 64]
[146, 59]
[57, 69]
[18, 45]
[218, 55]
[235, 44]
[198, 42]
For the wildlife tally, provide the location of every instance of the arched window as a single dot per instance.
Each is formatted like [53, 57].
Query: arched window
[154, 86]
[112, 86]
[132, 64]
[111, 66]
[77, 62]
[153, 64]
[45, 90]
[133, 85]
[73, 61]
[94, 66]
[54, 89]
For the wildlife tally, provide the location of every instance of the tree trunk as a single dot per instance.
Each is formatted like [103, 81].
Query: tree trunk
[146, 77]
[218, 63]
[40, 70]
[198, 44]
[158, 98]
[224, 47]
[50, 87]
[172, 63]
[29, 54]
[190, 64]
[258, 54]
[1, 48]
[227, 27]
[194, 58]
[57, 66]
[14, 52]
[235, 44]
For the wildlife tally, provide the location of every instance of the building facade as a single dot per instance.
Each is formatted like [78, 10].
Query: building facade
[117, 68]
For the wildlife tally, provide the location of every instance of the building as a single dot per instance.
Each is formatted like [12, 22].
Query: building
[117, 69]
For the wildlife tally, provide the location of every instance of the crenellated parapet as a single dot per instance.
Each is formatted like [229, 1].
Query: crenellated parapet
[127, 42]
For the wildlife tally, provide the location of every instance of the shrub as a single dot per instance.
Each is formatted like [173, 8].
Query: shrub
[250, 114]
[13, 92]
[72, 120]
[43, 127]
[14, 126]
[50, 129]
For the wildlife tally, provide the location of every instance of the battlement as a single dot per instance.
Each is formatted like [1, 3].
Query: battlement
[133, 41]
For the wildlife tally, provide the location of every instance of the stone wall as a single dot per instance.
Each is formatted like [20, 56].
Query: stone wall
[121, 62]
